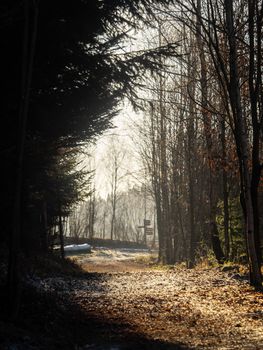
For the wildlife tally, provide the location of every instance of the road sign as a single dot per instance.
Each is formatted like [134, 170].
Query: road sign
[149, 231]
[147, 222]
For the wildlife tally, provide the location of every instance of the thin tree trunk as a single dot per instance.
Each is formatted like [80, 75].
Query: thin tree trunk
[190, 159]
[206, 116]
[44, 236]
[168, 247]
[225, 190]
[61, 234]
[114, 197]
[104, 224]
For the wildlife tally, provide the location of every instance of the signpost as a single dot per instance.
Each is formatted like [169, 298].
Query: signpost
[149, 231]
[147, 222]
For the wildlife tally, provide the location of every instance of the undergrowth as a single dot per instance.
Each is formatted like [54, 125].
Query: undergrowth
[53, 265]
[147, 259]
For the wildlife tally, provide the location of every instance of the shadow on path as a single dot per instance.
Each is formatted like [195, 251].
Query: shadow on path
[49, 321]
[89, 332]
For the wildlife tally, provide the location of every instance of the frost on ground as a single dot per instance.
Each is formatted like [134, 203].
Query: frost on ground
[201, 308]
[114, 260]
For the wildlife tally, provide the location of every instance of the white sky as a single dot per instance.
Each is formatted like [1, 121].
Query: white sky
[130, 164]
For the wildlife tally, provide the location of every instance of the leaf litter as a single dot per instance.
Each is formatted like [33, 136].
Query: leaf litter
[200, 308]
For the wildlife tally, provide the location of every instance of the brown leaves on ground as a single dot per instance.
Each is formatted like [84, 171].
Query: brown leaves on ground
[205, 308]
[201, 308]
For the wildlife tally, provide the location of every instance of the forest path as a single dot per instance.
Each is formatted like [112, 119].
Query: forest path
[198, 308]
[106, 260]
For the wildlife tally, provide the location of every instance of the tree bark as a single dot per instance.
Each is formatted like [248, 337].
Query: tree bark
[242, 143]
[255, 77]
[190, 157]
[225, 190]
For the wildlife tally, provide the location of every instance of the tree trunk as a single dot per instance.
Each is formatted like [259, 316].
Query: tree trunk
[206, 116]
[190, 158]
[242, 143]
[61, 233]
[114, 198]
[156, 186]
[104, 225]
[44, 228]
[255, 84]
[168, 247]
[225, 190]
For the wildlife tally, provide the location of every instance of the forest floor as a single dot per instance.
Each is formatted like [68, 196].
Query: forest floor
[123, 302]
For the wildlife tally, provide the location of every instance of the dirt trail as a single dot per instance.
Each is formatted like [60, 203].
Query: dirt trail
[103, 260]
[200, 308]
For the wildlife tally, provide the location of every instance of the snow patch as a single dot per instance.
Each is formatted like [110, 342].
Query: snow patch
[78, 248]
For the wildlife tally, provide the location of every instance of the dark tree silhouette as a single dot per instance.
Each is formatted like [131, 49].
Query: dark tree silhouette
[63, 80]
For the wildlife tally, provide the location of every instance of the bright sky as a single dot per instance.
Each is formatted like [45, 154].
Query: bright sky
[124, 132]
[123, 135]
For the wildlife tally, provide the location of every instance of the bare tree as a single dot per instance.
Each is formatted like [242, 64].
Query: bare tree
[114, 161]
